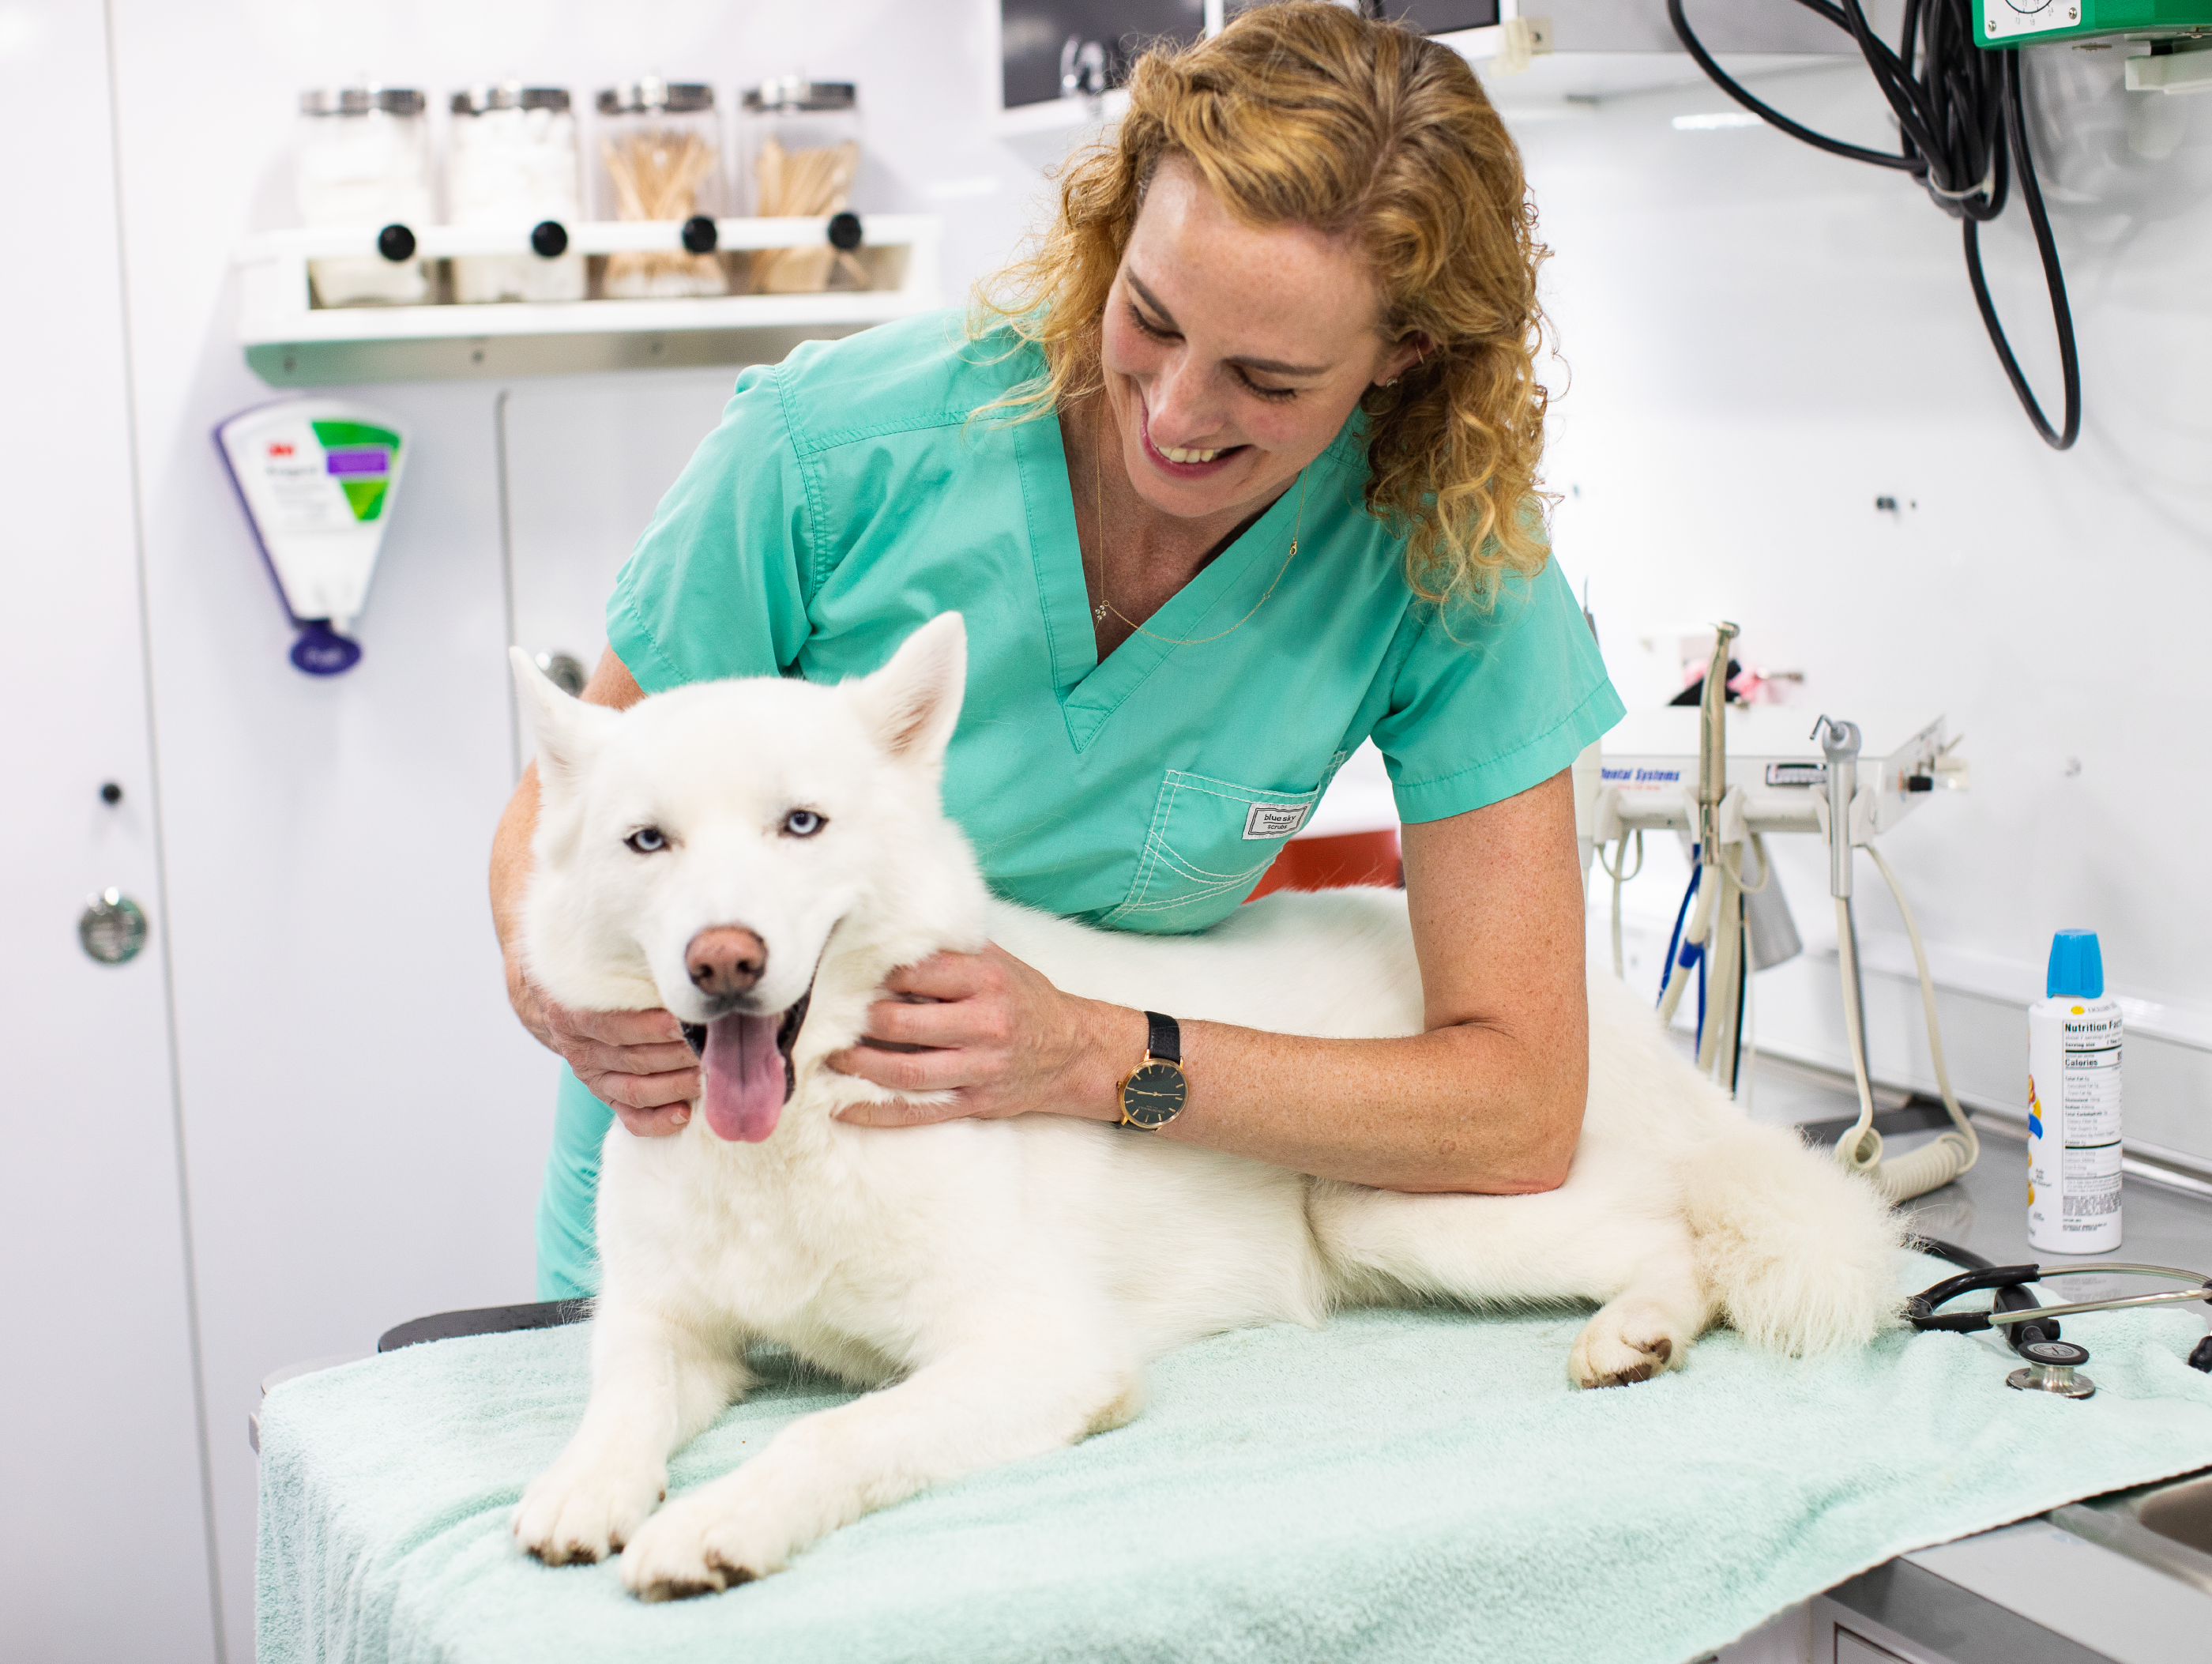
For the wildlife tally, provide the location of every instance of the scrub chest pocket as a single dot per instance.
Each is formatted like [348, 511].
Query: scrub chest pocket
[1211, 841]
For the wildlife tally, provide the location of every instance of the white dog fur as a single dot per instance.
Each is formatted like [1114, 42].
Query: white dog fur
[1003, 1284]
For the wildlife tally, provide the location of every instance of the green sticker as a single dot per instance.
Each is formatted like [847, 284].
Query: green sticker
[366, 497]
[335, 436]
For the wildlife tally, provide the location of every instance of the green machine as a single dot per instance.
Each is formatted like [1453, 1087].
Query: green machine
[2175, 36]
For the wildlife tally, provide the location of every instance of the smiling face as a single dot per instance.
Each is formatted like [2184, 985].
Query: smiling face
[1232, 353]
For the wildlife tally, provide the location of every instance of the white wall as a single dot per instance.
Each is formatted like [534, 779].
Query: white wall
[1763, 340]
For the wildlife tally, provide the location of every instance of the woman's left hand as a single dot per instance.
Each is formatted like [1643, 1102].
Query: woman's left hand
[991, 1030]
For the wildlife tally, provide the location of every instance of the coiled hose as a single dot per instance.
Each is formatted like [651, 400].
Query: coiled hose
[1943, 1158]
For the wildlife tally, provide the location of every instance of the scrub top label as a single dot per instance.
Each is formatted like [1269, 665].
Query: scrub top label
[1274, 820]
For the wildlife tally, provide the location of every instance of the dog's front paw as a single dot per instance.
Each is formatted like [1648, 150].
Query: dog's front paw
[700, 1544]
[1622, 1345]
[584, 1509]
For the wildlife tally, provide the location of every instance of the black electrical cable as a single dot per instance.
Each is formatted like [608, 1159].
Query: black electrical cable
[2062, 315]
[1742, 993]
[1961, 123]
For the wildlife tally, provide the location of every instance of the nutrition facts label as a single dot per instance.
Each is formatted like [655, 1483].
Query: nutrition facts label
[2090, 1102]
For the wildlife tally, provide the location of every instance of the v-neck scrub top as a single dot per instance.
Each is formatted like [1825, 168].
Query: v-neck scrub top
[851, 493]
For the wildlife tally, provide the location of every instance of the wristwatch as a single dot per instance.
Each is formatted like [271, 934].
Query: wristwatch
[1155, 1090]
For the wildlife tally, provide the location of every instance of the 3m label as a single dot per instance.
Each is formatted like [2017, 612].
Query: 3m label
[1274, 820]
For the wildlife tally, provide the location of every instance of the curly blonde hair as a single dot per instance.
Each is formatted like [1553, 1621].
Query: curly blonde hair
[1309, 114]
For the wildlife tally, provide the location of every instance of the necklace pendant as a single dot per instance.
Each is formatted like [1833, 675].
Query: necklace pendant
[1099, 612]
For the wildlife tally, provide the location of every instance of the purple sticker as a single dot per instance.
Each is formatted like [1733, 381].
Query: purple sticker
[375, 459]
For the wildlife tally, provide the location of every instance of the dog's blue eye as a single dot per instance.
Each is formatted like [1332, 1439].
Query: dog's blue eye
[802, 822]
[646, 840]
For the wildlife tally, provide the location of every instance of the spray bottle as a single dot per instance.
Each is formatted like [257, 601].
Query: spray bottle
[2074, 1104]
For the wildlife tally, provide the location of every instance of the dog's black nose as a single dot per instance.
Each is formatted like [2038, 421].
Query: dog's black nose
[725, 960]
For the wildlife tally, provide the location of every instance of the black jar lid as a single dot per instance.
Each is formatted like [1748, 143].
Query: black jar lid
[508, 95]
[362, 100]
[650, 95]
[791, 93]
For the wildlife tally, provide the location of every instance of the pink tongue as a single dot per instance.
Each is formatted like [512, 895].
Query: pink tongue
[743, 1077]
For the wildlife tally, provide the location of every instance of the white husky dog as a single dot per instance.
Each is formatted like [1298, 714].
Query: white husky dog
[1004, 1283]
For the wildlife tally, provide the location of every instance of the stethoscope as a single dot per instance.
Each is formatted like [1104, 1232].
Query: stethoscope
[2032, 1330]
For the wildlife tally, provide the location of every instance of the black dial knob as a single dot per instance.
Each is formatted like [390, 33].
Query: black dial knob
[845, 231]
[700, 236]
[396, 243]
[549, 237]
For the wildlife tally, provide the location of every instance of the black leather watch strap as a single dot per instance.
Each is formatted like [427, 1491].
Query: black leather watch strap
[1163, 1037]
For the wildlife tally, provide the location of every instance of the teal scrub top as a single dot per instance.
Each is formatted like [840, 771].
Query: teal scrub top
[851, 493]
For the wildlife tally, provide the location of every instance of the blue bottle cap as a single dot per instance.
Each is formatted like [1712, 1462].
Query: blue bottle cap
[2077, 968]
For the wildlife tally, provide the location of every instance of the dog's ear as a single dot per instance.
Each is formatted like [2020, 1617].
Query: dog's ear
[566, 730]
[914, 701]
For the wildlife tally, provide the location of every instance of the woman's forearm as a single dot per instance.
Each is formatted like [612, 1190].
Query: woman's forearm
[1491, 1097]
[1468, 1107]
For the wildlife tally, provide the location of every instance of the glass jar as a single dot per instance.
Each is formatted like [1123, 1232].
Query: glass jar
[799, 141]
[511, 163]
[661, 158]
[363, 161]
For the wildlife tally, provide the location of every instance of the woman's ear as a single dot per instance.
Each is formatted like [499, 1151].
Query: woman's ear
[1397, 360]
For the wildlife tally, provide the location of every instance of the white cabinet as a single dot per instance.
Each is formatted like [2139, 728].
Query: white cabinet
[103, 1540]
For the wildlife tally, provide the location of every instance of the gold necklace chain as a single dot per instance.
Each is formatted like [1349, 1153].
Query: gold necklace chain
[1105, 606]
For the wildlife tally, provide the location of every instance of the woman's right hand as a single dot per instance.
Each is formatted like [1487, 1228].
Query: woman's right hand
[636, 1063]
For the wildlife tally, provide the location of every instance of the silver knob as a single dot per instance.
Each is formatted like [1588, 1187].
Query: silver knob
[564, 671]
[112, 927]
[1082, 68]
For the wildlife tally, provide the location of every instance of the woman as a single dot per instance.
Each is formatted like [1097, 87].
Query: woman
[1237, 472]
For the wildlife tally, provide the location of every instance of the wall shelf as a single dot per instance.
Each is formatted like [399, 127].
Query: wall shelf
[289, 341]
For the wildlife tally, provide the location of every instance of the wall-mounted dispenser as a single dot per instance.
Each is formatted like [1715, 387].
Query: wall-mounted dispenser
[316, 476]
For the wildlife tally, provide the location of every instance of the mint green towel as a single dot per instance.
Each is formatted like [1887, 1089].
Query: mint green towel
[1401, 1485]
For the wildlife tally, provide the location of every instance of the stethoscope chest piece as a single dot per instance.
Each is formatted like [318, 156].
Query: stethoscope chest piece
[2050, 1367]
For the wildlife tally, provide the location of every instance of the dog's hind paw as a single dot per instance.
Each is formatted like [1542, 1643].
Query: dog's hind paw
[1623, 1344]
[695, 1545]
[583, 1511]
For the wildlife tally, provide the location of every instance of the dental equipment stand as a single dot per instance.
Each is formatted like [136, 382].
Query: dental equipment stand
[1640, 788]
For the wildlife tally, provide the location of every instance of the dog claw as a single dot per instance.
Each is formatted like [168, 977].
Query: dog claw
[737, 1575]
[566, 1554]
[1608, 1353]
[682, 1588]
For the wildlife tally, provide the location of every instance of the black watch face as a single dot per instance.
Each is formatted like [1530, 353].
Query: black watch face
[1154, 1094]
